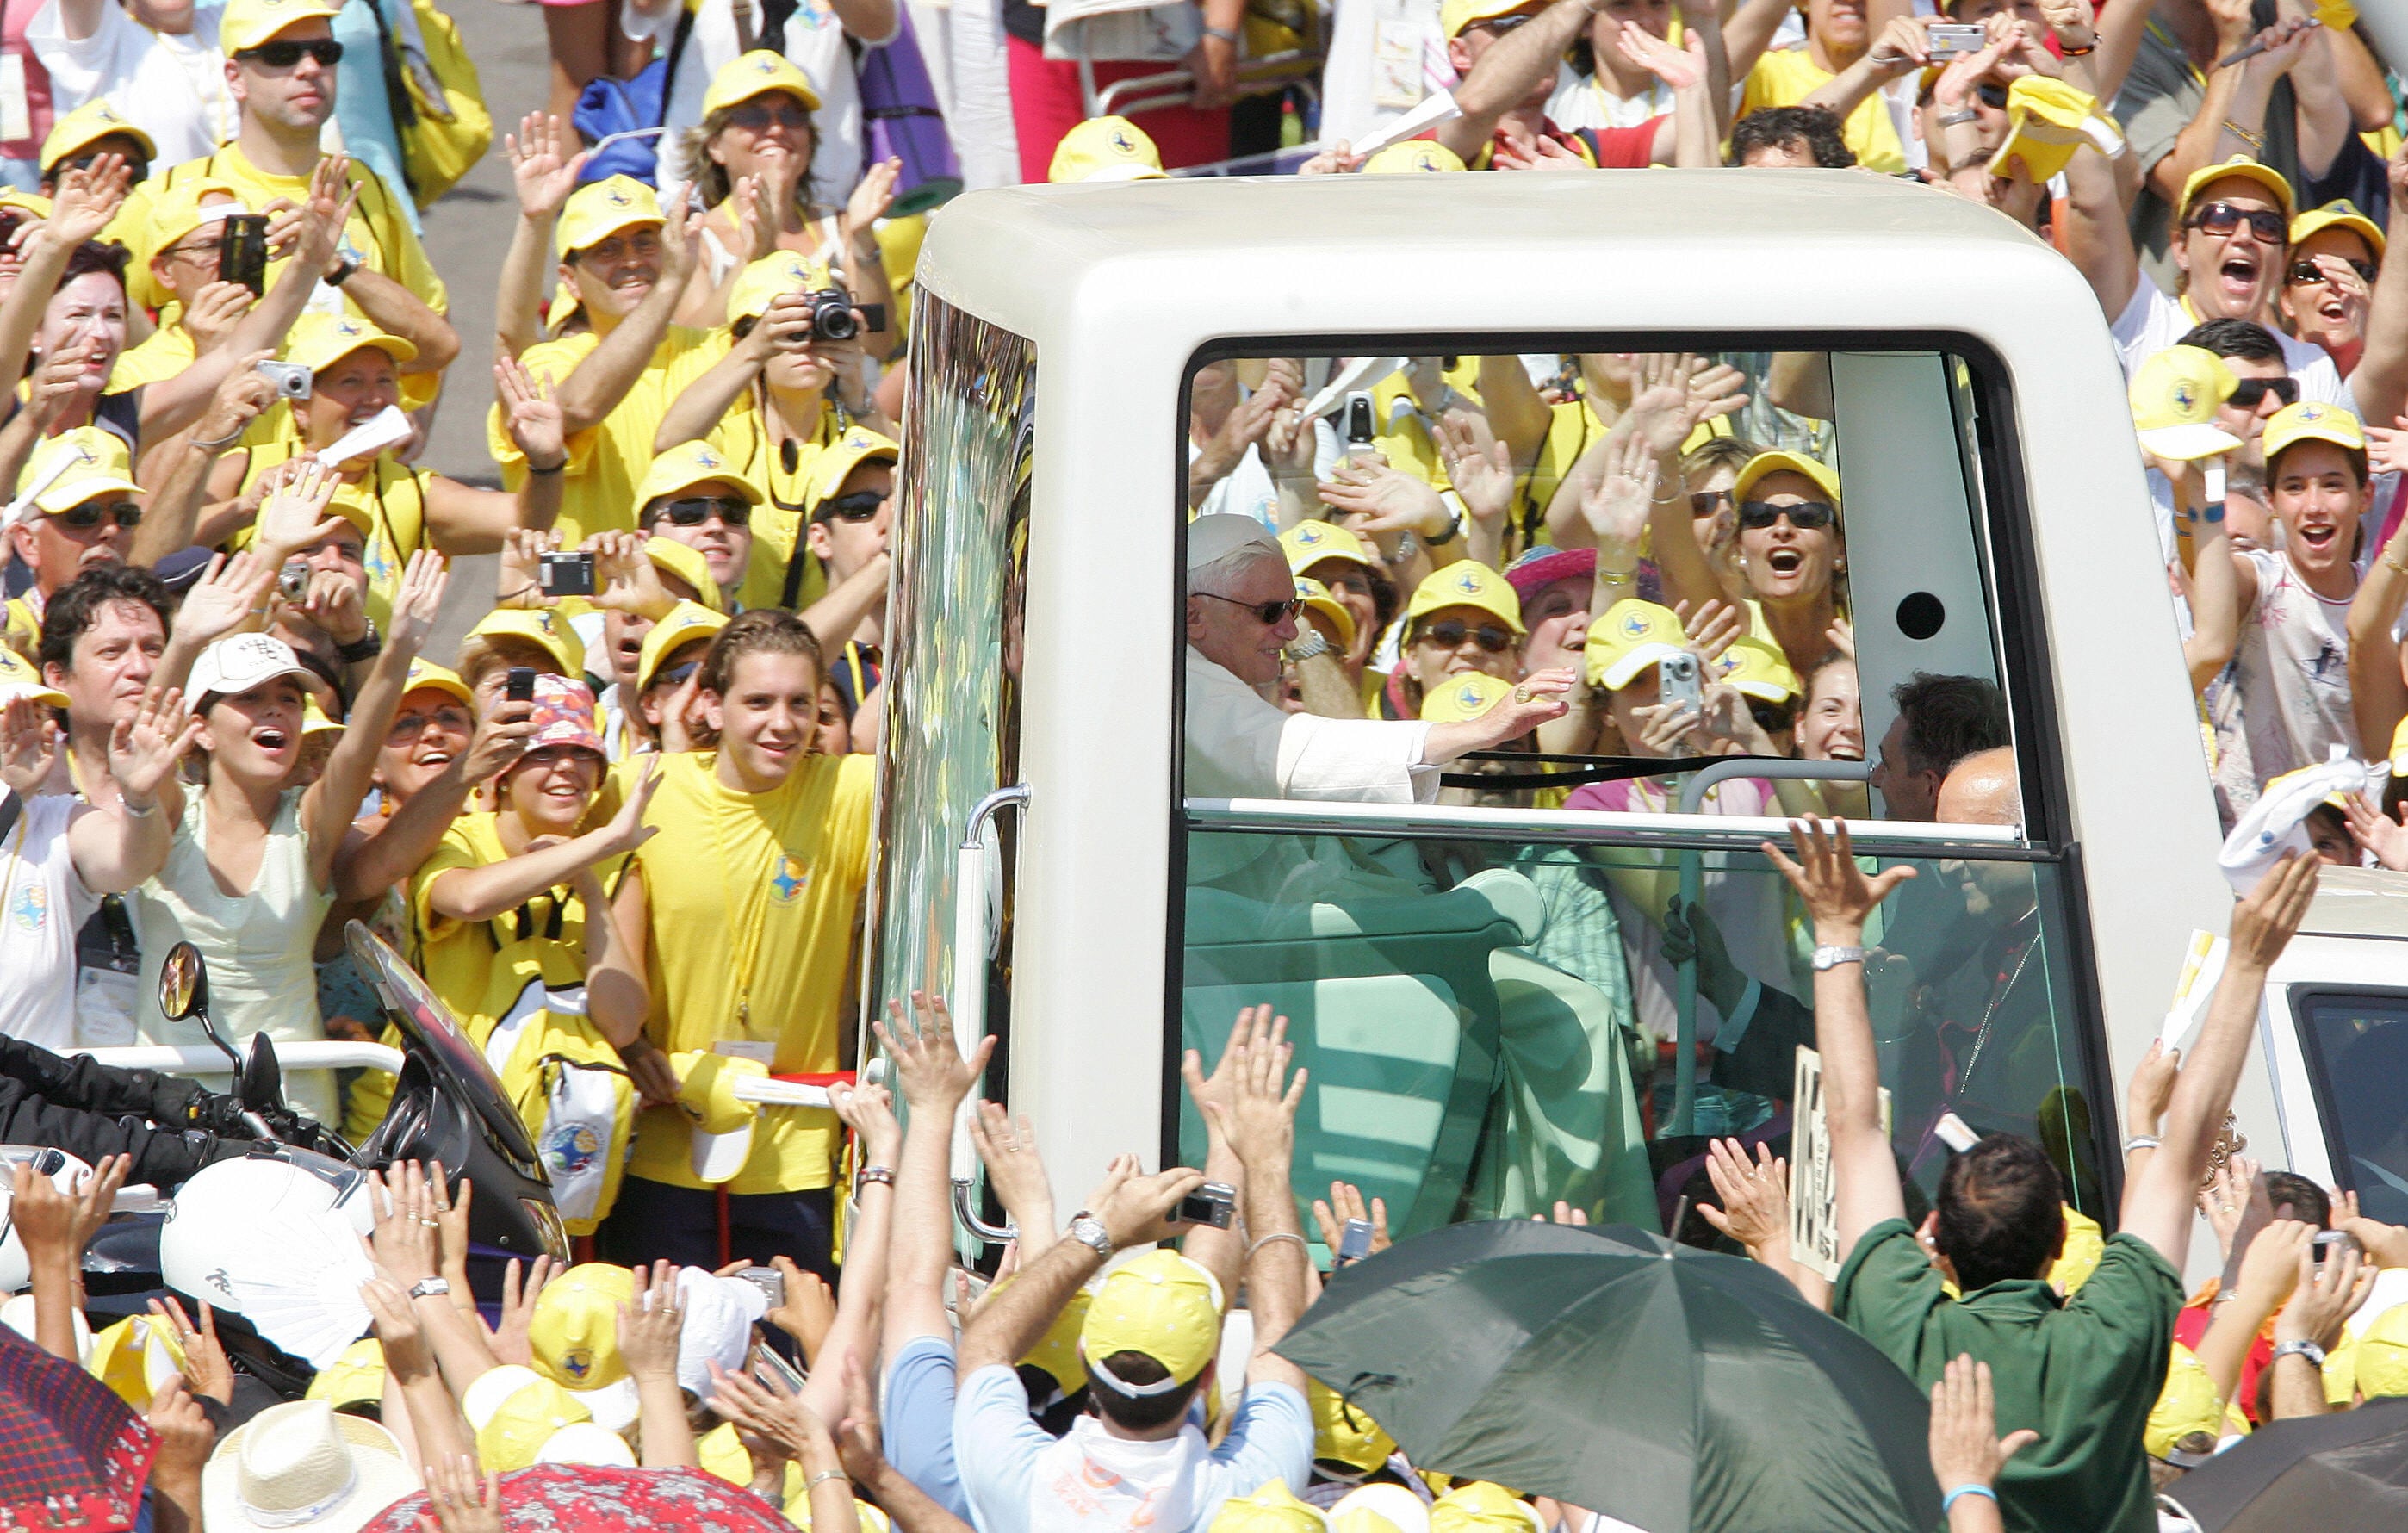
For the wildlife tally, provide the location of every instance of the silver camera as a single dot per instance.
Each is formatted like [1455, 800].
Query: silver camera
[292, 379]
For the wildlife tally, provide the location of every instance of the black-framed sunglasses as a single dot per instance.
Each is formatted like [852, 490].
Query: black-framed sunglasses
[1499, 25]
[90, 514]
[1449, 633]
[2305, 272]
[1707, 501]
[695, 511]
[860, 506]
[2223, 218]
[674, 676]
[1271, 614]
[758, 116]
[1804, 515]
[2251, 392]
[1993, 95]
[285, 53]
[138, 166]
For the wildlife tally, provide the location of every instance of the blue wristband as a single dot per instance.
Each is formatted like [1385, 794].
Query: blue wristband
[1950, 1499]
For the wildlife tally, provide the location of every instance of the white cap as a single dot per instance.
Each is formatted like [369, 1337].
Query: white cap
[615, 1405]
[240, 662]
[586, 1442]
[719, 1313]
[264, 1237]
[1213, 537]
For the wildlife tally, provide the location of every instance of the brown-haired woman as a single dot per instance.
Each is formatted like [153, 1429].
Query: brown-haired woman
[751, 897]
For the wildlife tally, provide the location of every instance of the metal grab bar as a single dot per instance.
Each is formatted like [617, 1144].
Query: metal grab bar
[1172, 87]
[974, 939]
[204, 1059]
[966, 1209]
[1693, 792]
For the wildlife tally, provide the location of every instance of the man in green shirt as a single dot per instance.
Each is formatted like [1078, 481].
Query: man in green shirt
[2082, 1372]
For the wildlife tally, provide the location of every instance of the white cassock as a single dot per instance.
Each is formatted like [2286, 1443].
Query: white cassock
[1240, 746]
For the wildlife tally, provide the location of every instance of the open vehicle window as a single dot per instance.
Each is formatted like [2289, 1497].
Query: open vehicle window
[1782, 585]
[2356, 1044]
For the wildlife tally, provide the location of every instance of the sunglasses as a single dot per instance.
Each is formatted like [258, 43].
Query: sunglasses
[760, 116]
[1271, 614]
[2303, 273]
[2251, 392]
[1993, 95]
[860, 506]
[91, 513]
[139, 167]
[1707, 502]
[284, 55]
[2223, 218]
[1804, 515]
[1499, 25]
[1448, 633]
[674, 676]
[694, 512]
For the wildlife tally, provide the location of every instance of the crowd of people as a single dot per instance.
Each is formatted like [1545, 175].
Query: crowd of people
[623, 836]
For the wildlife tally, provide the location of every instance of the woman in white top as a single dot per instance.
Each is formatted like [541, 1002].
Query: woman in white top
[250, 870]
[157, 64]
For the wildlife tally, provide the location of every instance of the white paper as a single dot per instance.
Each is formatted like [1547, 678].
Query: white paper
[1433, 110]
[2202, 967]
[389, 428]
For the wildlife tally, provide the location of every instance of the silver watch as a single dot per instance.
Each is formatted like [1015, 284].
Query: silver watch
[2308, 1349]
[1308, 643]
[1089, 1231]
[1831, 957]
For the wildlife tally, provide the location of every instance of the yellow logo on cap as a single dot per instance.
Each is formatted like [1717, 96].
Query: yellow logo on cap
[578, 1364]
[544, 620]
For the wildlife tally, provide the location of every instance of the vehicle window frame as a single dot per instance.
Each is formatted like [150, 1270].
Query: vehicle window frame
[2302, 998]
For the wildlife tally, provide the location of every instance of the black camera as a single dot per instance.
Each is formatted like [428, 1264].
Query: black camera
[1215, 1203]
[833, 315]
[565, 574]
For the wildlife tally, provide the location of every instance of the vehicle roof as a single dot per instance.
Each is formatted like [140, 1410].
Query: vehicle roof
[2359, 902]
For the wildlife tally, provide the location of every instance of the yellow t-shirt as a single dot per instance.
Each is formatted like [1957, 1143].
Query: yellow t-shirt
[23, 629]
[777, 522]
[764, 886]
[608, 460]
[1785, 77]
[1407, 442]
[379, 236]
[392, 494]
[169, 351]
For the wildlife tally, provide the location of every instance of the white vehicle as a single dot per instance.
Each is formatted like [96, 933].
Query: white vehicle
[1454, 983]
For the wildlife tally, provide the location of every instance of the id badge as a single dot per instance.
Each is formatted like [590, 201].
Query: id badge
[15, 107]
[105, 1003]
[761, 1051]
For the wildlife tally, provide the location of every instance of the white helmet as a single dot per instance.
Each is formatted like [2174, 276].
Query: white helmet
[16, 1271]
[274, 1239]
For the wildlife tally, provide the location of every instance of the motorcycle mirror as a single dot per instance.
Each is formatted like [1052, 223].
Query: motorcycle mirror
[183, 982]
[263, 1078]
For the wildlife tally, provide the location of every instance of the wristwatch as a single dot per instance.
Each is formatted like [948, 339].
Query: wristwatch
[366, 647]
[429, 1288]
[342, 274]
[1308, 643]
[1831, 957]
[2308, 1349]
[1089, 1231]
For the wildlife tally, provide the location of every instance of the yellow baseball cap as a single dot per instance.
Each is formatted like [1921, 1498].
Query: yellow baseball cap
[2382, 1355]
[99, 465]
[599, 209]
[687, 622]
[136, 1355]
[2186, 1405]
[427, 675]
[2045, 121]
[1346, 1433]
[26, 202]
[1477, 1505]
[1778, 461]
[857, 446]
[1058, 1351]
[515, 1410]
[2084, 1243]
[1310, 543]
[247, 24]
[1464, 697]
[1271, 1510]
[314, 720]
[1106, 149]
[2311, 419]
[2247, 169]
[772, 277]
[671, 557]
[318, 342]
[89, 124]
[574, 1333]
[537, 625]
[19, 679]
[1411, 155]
[1160, 1305]
[1466, 582]
[1380, 1509]
[1632, 636]
[2340, 214]
[355, 1377]
[1758, 669]
[1317, 596]
[758, 73]
[2175, 395]
[1455, 15]
[686, 466]
[181, 208]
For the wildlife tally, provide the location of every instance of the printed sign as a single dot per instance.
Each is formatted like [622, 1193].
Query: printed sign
[1814, 1192]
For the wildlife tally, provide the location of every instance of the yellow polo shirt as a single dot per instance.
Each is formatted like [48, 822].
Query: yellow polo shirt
[1785, 77]
[752, 895]
[608, 459]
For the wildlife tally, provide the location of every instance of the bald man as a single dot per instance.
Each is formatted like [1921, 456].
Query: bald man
[1981, 790]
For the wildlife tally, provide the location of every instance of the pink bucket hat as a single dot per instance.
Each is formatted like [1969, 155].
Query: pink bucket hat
[564, 715]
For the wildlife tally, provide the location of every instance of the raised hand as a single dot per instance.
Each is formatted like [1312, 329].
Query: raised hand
[1615, 502]
[869, 1112]
[1835, 890]
[459, 1499]
[416, 603]
[1716, 624]
[1755, 1198]
[2226, 1196]
[532, 415]
[1258, 1116]
[210, 317]
[405, 1239]
[929, 1065]
[207, 1368]
[2325, 1294]
[510, 1337]
[1478, 465]
[56, 1226]
[326, 214]
[806, 1308]
[1965, 1449]
[1678, 67]
[143, 751]
[87, 199]
[294, 516]
[1346, 1203]
[542, 168]
[224, 598]
[648, 1328]
[28, 745]
[1252, 1028]
[1134, 1208]
[2152, 1087]
[2264, 920]
[872, 196]
[626, 829]
[1014, 1168]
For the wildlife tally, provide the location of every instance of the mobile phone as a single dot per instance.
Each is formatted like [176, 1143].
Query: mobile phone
[242, 251]
[1215, 1204]
[1354, 1241]
[1951, 39]
[519, 685]
[292, 378]
[770, 1281]
[1359, 422]
[565, 575]
[776, 1375]
[1679, 682]
[2325, 1242]
[293, 580]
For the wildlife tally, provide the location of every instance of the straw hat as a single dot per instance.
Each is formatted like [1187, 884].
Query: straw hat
[302, 1467]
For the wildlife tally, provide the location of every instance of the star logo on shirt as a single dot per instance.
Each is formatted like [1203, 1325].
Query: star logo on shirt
[792, 880]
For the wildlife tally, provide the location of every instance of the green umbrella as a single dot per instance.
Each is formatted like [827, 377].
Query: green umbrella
[1679, 1390]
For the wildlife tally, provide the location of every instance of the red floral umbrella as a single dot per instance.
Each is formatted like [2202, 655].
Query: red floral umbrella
[592, 1498]
[72, 1455]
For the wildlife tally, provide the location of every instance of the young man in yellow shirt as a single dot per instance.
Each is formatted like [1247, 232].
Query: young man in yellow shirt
[1838, 34]
[281, 58]
[626, 261]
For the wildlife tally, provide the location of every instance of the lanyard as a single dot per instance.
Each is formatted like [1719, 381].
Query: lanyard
[746, 935]
[17, 853]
